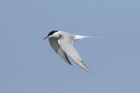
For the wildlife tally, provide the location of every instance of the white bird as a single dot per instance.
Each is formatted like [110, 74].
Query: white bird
[62, 43]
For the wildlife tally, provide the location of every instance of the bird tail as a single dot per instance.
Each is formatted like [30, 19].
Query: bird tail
[79, 37]
[91, 37]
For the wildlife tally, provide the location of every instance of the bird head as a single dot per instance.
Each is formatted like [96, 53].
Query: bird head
[53, 33]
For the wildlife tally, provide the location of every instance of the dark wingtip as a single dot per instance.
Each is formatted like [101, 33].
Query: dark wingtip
[90, 72]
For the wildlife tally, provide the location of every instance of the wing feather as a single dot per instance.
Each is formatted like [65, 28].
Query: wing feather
[54, 44]
[66, 43]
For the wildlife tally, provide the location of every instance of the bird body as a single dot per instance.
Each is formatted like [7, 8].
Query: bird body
[62, 43]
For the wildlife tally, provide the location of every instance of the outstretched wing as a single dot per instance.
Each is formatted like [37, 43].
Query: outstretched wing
[54, 44]
[66, 43]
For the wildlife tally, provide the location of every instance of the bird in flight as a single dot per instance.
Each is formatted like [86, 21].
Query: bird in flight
[62, 43]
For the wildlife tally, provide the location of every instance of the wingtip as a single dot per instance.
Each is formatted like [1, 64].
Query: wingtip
[90, 72]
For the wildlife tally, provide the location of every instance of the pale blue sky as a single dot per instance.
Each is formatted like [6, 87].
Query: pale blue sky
[29, 65]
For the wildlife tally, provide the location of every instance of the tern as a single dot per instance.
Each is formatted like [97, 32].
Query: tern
[62, 43]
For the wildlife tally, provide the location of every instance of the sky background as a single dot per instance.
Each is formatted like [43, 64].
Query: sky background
[29, 65]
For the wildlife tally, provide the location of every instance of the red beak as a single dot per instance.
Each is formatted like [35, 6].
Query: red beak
[45, 37]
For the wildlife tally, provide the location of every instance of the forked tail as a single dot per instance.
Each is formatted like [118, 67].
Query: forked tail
[78, 37]
[91, 37]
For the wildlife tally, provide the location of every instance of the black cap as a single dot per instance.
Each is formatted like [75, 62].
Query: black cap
[52, 32]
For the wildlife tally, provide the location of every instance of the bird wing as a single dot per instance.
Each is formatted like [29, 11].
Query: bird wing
[54, 44]
[66, 42]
